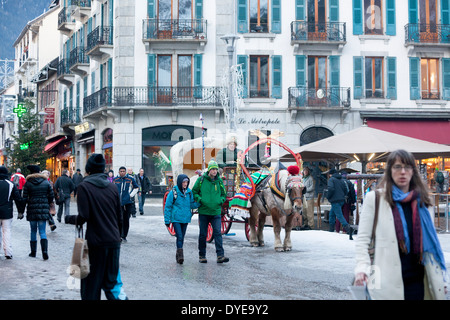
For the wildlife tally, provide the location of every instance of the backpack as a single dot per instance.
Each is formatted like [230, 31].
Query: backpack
[16, 180]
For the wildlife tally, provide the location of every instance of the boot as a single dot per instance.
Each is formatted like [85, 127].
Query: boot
[348, 228]
[179, 256]
[44, 247]
[33, 246]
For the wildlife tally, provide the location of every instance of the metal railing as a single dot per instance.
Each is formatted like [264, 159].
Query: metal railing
[70, 116]
[427, 33]
[81, 3]
[174, 29]
[311, 31]
[63, 68]
[78, 55]
[99, 36]
[441, 201]
[152, 96]
[62, 17]
[300, 97]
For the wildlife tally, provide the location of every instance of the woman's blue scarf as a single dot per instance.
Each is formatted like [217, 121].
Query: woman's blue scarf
[430, 242]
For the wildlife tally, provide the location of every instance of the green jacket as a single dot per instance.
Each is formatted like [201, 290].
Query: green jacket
[210, 194]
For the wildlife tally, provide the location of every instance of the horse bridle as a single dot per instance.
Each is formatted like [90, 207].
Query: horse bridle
[291, 182]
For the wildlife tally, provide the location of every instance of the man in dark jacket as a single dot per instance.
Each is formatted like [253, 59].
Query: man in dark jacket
[8, 193]
[127, 188]
[99, 206]
[144, 187]
[64, 187]
[336, 195]
[76, 179]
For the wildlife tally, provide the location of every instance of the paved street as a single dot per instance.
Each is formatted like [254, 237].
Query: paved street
[319, 266]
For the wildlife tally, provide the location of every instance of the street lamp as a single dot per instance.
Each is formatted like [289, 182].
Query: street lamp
[230, 40]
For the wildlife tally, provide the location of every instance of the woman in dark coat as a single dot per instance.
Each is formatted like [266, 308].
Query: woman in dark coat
[37, 195]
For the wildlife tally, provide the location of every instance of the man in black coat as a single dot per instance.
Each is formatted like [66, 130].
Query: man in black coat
[77, 178]
[145, 187]
[64, 186]
[8, 193]
[99, 206]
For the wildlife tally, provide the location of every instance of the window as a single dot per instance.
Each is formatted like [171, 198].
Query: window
[373, 18]
[259, 76]
[374, 77]
[185, 76]
[259, 21]
[185, 9]
[317, 16]
[429, 70]
[164, 71]
[428, 19]
[317, 73]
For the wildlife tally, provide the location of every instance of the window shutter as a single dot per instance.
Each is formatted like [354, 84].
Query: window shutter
[277, 91]
[392, 78]
[445, 19]
[334, 10]
[357, 17]
[300, 10]
[198, 9]
[335, 80]
[110, 73]
[151, 77]
[413, 13]
[151, 9]
[390, 17]
[300, 67]
[358, 76]
[242, 16]
[243, 60]
[276, 16]
[446, 79]
[198, 61]
[414, 78]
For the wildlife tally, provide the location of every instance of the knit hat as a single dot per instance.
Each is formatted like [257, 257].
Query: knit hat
[232, 139]
[3, 170]
[95, 164]
[332, 171]
[34, 168]
[213, 165]
[293, 170]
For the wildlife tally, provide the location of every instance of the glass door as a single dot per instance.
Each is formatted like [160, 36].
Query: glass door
[164, 79]
[164, 19]
[429, 72]
[317, 80]
[428, 20]
[184, 88]
[317, 28]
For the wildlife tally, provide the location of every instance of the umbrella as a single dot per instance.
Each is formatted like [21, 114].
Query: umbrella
[366, 144]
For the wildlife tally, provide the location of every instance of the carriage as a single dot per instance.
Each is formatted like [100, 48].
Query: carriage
[189, 157]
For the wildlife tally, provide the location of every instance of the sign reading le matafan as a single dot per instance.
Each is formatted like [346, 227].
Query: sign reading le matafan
[259, 121]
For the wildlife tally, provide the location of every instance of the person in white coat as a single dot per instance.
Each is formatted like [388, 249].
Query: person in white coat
[408, 260]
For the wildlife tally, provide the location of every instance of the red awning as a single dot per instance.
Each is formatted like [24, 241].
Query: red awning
[437, 131]
[53, 144]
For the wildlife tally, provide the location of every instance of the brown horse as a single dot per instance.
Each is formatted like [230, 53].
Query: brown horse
[270, 200]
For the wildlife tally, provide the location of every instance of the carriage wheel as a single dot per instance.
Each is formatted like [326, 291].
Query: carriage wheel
[224, 228]
[209, 234]
[247, 230]
[170, 227]
[226, 221]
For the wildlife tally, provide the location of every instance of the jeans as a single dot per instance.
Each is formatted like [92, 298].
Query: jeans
[180, 231]
[336, 212]
[66, 207]
[41, 224]
[5, 232]
[216, 222]
[141, 199]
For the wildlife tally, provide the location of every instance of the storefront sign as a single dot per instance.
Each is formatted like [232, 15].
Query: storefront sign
[50, 115]
[82, 128]
[259, 121]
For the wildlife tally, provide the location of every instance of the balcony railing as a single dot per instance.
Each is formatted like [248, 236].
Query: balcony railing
[152, 96]
[63, 68]
[99, 36]
[62, 16]
[323, 32]
[300, 97]
[78, 55]
[427, 33]
[81, 3]
[70, 116]
[177, 29]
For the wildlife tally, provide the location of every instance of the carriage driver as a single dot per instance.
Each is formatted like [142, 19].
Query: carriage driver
[228, 156]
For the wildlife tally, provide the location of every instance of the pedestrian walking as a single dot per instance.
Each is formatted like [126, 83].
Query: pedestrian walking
[8, 193]
[337, 191]
[308, 202]
[19, 180]
[127, 188]
[111, 176]
[63, 187]
[145, 187]
[177, 211]
[76, 179]
[209, 192]
[350, 201]
[52, 210]
[37, 196]
[131, 174]
[99, 207]
[408, 260]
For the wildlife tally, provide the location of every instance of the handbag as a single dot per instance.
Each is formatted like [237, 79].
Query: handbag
[375, 220]
[61, 197]
[79, 266]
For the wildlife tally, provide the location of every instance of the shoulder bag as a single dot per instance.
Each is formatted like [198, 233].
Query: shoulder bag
[375, 220]
[79, 266]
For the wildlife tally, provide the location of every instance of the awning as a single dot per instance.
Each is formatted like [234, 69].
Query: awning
[53, 144]
[437, 131]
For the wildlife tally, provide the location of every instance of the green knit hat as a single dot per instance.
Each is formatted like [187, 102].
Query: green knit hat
[213, 165]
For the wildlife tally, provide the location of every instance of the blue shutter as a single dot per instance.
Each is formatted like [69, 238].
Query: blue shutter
[242, 16]
[101, 76]
[334, 10]
[390, 17]
[151, 9]
[198, 9]
[445, 20]
[414, 78]
[391, 78]
[110, 73]
[93, 82]
[358, 77]
[413, 14]
[300, 10]
[335, 80]
[446, 79]
[277, 91]
[357, 17]
[300, 80]
[111, 20]
[151, 77]
[243, 60]
[198, 61]
[276, 16]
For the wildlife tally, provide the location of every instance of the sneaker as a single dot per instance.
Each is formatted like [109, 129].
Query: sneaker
[141, 213]
[222, 259]
[8, 257]
[202, 259]
[52, 227]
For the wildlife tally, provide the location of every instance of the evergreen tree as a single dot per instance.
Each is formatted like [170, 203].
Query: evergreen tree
[28, 147]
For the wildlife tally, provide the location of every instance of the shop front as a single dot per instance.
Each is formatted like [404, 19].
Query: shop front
[60, 150]
[107, 148]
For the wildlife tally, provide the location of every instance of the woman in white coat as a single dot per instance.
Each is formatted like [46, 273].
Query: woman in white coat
[408, 260]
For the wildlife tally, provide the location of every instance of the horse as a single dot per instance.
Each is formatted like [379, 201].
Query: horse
[281, 194]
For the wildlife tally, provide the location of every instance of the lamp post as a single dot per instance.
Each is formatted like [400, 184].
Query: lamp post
[230, 40]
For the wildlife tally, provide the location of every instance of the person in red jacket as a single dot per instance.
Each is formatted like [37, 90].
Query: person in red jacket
[19, 180]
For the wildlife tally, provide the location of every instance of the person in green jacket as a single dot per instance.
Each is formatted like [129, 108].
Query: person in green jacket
[209, 192]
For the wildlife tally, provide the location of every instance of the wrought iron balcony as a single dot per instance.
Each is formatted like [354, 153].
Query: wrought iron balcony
[328, 32]
[70, 116]
[100, 42]
[303, 97]
[65, 25]
[63, 73]
[151, 96]
[80, 8]
[174, 29]
[78, 56]
[428, 34]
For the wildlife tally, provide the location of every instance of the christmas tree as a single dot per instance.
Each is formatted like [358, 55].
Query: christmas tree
[28, 147]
